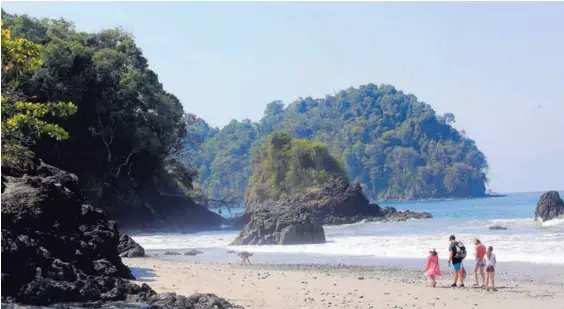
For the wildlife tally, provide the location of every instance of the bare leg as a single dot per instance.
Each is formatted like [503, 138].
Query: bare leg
[483, 273]
[433, 282]
[492, 276]
[455, 277]
[487, 281]
[460, 277]
[476, 274]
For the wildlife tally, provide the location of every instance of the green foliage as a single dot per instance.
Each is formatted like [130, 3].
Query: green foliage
[394, 145]
[22, 121]
[284, 166]
[126, 139]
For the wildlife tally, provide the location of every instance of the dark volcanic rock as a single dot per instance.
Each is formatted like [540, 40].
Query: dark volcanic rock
[498, 227]
[166, 213]
[58, 252]
[282, 225]
[160, 301]
[193, 252]
[196, 301]
[127, 247]
[338, 202]
[549, 206]
[53, 247]
[171, 253]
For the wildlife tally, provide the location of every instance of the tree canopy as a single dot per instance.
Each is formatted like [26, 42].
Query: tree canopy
[127, 134]
[394, 145]
[285, 166]
[22, 120]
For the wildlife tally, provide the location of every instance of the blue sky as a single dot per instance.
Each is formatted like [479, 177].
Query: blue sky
[499, 67]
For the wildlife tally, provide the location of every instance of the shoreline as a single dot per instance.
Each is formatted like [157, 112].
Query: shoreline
[336, 286]
[512, 270]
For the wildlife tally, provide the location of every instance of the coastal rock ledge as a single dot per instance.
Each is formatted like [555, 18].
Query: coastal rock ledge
[60, 253]
[549, 206]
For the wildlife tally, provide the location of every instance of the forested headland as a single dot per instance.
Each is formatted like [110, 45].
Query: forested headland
[397, 147]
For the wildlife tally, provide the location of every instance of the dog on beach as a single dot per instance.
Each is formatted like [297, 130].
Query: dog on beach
[245, 257]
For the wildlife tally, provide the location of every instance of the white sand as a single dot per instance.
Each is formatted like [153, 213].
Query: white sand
[269, 286]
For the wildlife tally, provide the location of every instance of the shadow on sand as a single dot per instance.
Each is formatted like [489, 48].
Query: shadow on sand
[143, 274]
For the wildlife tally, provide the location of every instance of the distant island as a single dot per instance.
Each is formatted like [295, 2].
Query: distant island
[395, 146]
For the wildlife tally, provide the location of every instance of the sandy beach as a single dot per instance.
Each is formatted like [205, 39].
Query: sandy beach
[319, 286]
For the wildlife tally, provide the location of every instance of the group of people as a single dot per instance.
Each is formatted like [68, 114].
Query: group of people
[484, 264]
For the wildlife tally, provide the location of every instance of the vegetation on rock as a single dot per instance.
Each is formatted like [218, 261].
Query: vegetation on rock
[394, 145]
[286, 166]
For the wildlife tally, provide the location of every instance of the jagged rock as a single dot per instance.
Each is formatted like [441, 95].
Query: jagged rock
[158, 301]
[193, 252]
[498, 227]
[338, 202]
[128, 247]
[171, 253]
[54, 248]
[549, 206]
[59, 253]
[282, 225]
[196, 301]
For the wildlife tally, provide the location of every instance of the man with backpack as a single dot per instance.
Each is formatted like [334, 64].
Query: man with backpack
[457, 253]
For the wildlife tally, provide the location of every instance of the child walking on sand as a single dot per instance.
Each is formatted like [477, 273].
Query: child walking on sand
[432, 268]
[490, 261]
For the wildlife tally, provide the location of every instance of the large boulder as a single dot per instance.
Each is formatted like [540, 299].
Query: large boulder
[57, 250]
[549, 206]
[54, 248]
[282, 225]
[127, 247]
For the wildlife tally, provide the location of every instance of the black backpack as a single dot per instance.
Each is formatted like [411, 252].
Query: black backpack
[460, 251]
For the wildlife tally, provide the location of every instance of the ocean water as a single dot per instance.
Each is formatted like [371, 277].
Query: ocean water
[524, 241]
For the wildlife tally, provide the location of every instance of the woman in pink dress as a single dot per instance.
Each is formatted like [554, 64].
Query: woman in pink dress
[432, 269]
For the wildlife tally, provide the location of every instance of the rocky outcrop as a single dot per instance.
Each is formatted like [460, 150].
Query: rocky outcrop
[57, 250]
[156, 213]
[127, 247]
[338, 202]
[158, 301]
[282, 225]
[193, 252]
[498, 228]
[549, 206]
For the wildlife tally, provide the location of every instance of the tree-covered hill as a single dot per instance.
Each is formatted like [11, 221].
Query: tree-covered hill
[394, 145]
[286, 166]
[127, 135]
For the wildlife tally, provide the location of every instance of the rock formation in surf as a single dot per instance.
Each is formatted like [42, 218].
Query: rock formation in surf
[282, 225]
[549, 206]
[294, 177]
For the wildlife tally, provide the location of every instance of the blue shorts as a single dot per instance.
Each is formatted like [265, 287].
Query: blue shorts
[457, 267]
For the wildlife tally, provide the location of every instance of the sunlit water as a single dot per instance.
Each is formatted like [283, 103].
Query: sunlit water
[524, 241]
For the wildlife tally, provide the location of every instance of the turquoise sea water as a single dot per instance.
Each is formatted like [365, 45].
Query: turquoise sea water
[524, 241]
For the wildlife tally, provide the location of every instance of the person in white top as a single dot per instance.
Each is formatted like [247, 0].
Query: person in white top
[490, 261]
